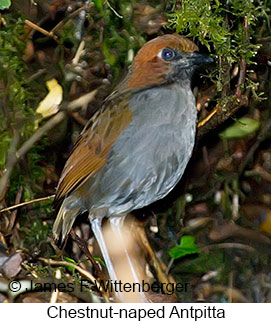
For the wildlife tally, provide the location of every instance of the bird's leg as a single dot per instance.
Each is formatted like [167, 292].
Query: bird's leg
[130, 268]
[117, 226]
[113, 241]
[96, 226]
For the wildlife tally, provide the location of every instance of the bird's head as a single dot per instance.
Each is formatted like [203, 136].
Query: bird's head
[165, 59]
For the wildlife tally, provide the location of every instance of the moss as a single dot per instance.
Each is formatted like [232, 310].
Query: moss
[224, 27]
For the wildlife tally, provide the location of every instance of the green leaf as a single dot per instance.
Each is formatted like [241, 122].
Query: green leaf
[4, 4]
[109, 57]
[99, 260]
[240, 128]
[68, 259]
[72, 262]
[187, 246]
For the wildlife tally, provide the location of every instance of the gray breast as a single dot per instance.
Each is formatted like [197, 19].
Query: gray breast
[150, 156]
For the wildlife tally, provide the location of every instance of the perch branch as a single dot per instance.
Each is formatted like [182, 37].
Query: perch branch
[220, 114]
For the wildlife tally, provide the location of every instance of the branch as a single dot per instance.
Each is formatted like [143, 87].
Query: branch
[220, 114]
[11, 161]
[14, 213]
[243, 65]
[27, 202]
[63, 22]
[42, 31]
[82, 272]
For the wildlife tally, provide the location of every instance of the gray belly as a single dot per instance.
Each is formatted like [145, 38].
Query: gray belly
[149, 157]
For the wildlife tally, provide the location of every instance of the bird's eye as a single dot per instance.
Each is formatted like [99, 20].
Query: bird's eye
[168, 54]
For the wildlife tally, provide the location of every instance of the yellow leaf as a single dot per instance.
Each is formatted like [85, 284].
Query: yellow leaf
[50, 104]
[265, 226]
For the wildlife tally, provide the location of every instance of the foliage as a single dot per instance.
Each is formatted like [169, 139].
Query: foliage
[12, 69]
[17, 114]
[187, 247]
[240, 128]
[35, 234]
[4, 4]
[226, 26]
[120, 36]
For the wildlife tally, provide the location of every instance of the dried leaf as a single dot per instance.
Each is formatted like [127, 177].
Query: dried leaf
[12, 266]
[50, 104]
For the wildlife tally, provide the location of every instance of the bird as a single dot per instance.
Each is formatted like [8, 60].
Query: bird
[135, 148]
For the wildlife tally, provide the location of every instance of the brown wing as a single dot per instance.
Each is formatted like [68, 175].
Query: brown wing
[90, 151]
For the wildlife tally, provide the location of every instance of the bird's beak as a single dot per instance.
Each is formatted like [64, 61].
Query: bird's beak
[200, 59]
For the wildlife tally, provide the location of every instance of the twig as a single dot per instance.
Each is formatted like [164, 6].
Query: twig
[11, 161]
[42, 30]
[80, 51]
[155, 262]
[264, 39]
[228, 230]
[83, 272]
[81, 101]
[30, 269]
[28, 145]
[243, 64]
[258, 170]
[264, 283]
[264, 132]
[115, 12]
[55, 293]
[63, 22]
[230, 288]
[209, 116]
[27, 202]
[228, 245]
[14, 213]
[79, 119]
[82, 244]
[50, 124]
[36, 75]
[248, 156]
[220, 114]
[206, 96]
[242, 76]
[236, 294]
[169, 266]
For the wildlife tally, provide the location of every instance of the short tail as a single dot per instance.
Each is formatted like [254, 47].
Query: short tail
[66, 216]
